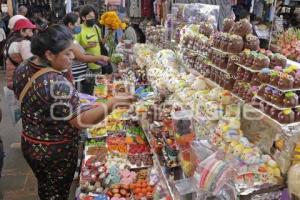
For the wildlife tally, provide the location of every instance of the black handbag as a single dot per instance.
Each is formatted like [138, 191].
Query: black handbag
[106, 69]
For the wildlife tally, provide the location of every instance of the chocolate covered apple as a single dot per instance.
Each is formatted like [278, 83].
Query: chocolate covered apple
[249, 94]
[261, 90]
[251, 42]
[206, 28]
[260, 61]
[290, 100]
[274, 78]
[243, 87]
[228, 83]
[240, 73]
[285, 81]
[216, 37]
[250, 59]
[235, 44]
[231, 66]
[264, 75]
[228, 24]
[286, 116]
[278, 60]
[247, 76]
[277, 97]
[223, 62]
[242, 28]
[224, 42]
[236, 86]
[297, 114]
[243, 56]
[297, 80]
[274, 113]
[268, 94]
[255, 80]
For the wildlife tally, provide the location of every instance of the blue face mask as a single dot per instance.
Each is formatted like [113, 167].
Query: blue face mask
[77, 29]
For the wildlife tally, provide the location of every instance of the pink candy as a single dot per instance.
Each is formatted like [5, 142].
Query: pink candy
[127, 177]
[117, 198]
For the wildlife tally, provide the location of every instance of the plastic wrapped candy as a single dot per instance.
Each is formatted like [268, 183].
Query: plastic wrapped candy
[183, 126]
[213, 173]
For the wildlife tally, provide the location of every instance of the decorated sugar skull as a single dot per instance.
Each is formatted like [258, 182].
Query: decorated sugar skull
[173, 83]
[199, 99]
[232, 135]
[199, 84]
[233, 123]
[232, 146]
[233, 110]
[250, 157]
[189, 78]
[214, 94]
[214, 110]
[238, 150]
[225, 97]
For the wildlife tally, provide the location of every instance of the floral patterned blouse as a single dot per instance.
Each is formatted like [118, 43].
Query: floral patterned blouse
[49, 104]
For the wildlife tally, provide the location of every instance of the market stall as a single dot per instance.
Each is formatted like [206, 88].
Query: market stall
[217, 117]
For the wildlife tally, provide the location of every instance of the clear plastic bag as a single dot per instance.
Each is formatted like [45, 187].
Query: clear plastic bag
[13, 105]
[213, 173]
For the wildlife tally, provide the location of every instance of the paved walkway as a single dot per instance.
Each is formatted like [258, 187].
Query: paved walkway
[17, 181]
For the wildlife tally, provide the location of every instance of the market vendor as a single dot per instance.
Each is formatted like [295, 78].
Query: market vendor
[52, 115]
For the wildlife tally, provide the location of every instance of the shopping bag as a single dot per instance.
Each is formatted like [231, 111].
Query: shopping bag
[13, 105]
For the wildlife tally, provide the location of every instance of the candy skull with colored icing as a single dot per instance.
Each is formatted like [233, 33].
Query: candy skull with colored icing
[225, 97]
[238, 150]
[214, 110]
[199, 84]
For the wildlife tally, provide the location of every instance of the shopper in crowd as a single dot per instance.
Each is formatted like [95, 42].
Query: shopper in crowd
[76, 10]
[12, 21]
[1, 147]
[52, 115]
[79, 66]
[17, 47]
[22, 11]
[90, 38]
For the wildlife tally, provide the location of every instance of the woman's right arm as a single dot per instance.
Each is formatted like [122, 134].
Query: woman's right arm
[94, 116]
[87, 58]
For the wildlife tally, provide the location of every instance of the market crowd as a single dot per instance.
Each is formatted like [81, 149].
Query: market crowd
[46, 68]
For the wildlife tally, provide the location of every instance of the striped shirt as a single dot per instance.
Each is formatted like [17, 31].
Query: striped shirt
[79, 68]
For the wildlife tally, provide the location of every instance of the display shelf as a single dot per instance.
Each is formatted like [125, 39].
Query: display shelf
[274, 105]
[199, 53]
[247, 68]
[222, 52]
[156, 160]
[194, 72]
[218, 68]
[288, 129]
[283, 90]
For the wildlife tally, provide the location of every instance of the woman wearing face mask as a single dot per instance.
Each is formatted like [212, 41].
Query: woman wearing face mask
[79, 66]
[90, 38]
[52, 116]
[17, 47]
